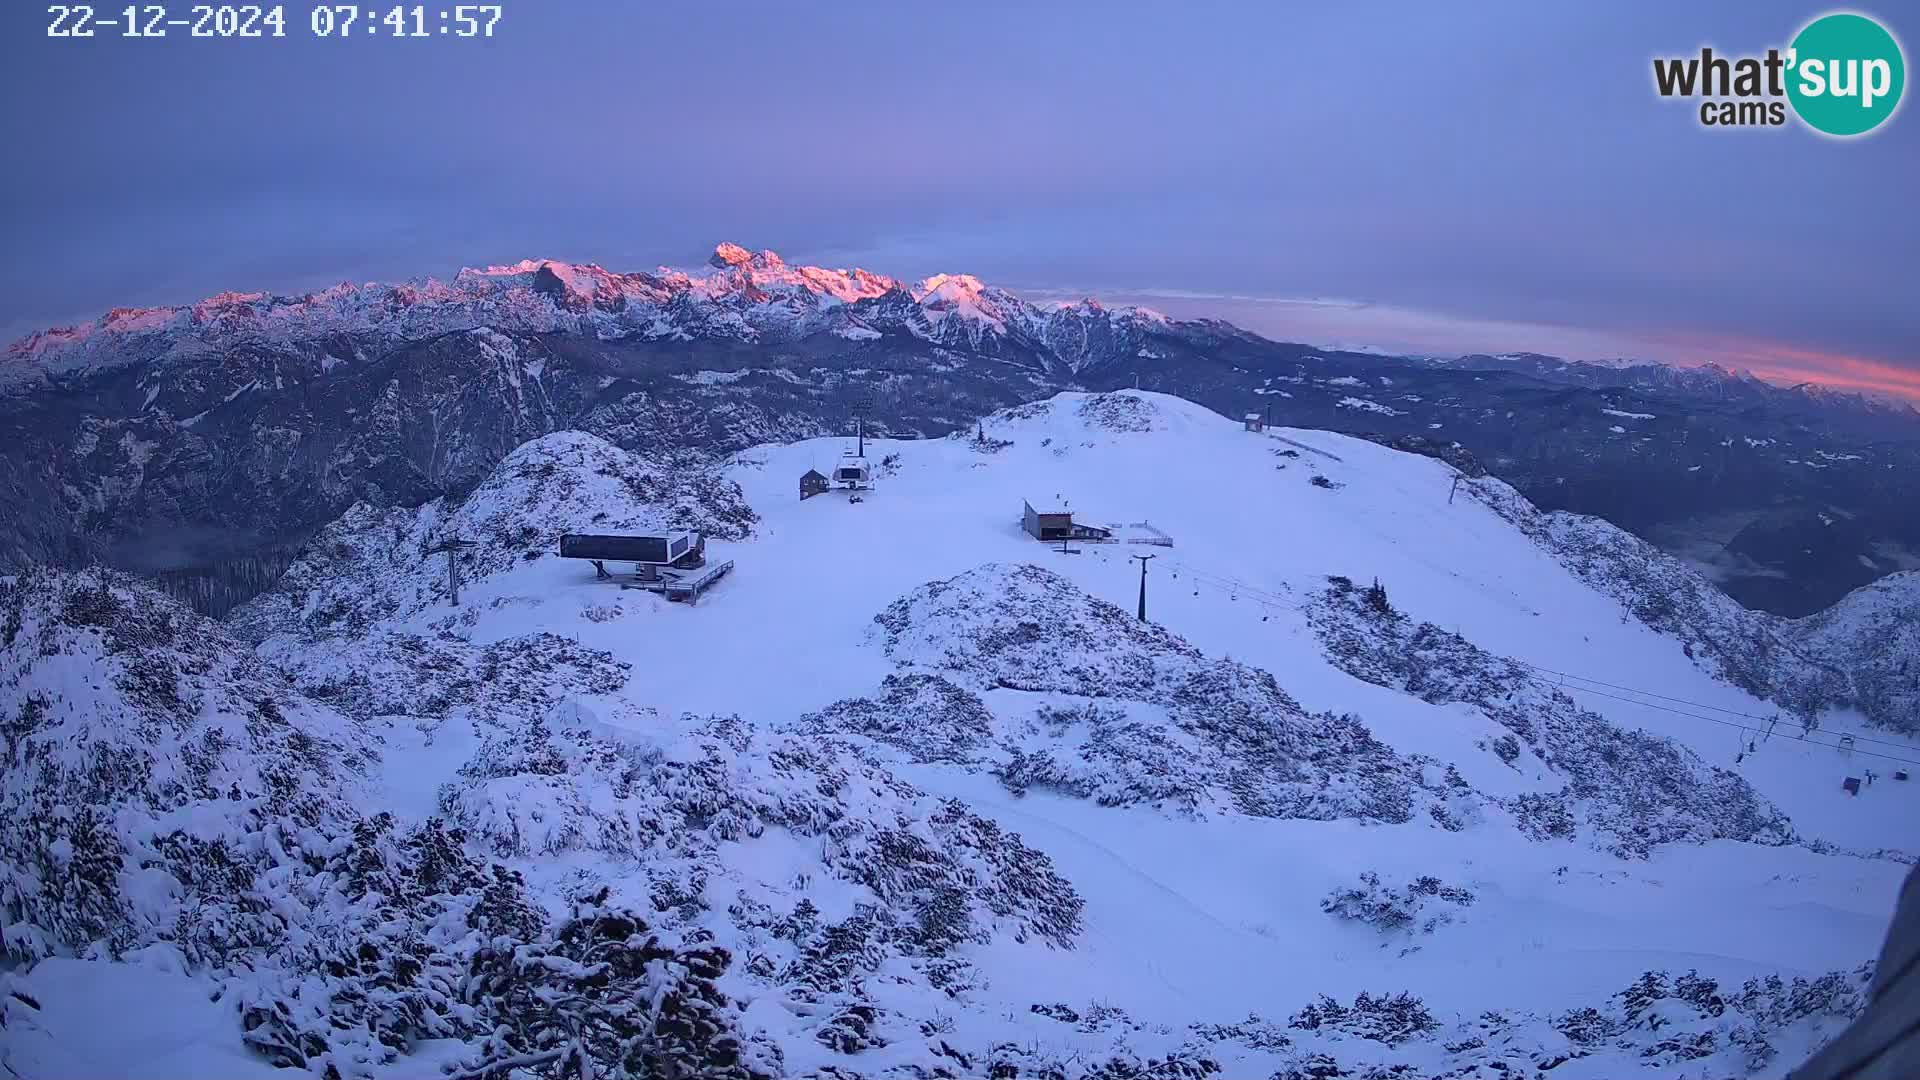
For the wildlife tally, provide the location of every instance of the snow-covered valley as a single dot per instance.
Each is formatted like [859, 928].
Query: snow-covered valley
[948, 807]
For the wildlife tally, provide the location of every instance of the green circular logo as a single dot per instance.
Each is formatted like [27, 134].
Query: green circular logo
[1845, 74]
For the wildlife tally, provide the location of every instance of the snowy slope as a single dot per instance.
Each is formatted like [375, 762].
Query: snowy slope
[949, 806]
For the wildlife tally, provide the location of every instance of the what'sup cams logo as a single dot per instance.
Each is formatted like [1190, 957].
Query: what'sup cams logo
[1842, 76]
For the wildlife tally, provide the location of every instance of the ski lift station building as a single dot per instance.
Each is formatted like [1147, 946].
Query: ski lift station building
[853, 471]
[673, 564]
[681, 550]
[1058, 524]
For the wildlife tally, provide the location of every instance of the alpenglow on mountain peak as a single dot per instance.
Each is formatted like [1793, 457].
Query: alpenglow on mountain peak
[738, 295]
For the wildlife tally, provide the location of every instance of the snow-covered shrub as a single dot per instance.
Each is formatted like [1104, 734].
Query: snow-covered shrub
[165, 789]
[151, 761]
[1628, 790]
[1013, 1061]
[1418, 906]
[1153, 700]
[1101, 752]
[1253, 1033]
[604, 996]
[1384, 1019]
[851, 1030]
[926, 715]
[1506, 748]
[394, 673]
[1660, 1026]
[1119, 410]
[363, 951]
[938, 874]
[601, 613]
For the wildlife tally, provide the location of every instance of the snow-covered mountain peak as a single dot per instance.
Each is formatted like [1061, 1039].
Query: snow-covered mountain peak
[738, 294]
[966, 297]
[727, 253]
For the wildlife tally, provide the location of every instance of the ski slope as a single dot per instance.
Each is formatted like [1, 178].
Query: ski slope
[1217, 918]
[790, 631]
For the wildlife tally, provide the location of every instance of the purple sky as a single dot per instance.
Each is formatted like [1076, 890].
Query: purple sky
[1502, 181]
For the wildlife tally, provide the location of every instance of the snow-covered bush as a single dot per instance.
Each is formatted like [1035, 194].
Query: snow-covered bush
[1417, 906]
[604, 996]
[926, 715]
[1383, 1019]
[1660, 1026]
[1628, 791]
[1104, 753]
[1119, 410]
[395, 673]
[933, 873]
[165, 790]
[151, 762]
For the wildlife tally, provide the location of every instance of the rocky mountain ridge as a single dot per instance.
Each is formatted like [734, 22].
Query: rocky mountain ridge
[742, 296]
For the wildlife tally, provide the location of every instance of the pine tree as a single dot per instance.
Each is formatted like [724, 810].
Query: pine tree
[1377, 598]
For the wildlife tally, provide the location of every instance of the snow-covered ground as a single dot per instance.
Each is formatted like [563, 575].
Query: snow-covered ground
[1188, 919]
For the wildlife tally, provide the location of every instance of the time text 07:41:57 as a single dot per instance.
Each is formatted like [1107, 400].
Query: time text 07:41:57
[81, 21]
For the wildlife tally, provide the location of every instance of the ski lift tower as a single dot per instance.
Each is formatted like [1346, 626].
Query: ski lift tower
[452, 548]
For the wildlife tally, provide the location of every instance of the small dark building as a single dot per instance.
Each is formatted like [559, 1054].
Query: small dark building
[1851, 784]
[1059, 525]
[813, 482]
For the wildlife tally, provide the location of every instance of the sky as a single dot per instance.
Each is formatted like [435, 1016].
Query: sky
[1416, 176]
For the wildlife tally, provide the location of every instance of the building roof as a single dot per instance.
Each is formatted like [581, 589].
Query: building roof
[1048, 506]
[815, 473]
[1253, 416]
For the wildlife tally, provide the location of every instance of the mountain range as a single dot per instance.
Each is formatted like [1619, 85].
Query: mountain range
[205, 443]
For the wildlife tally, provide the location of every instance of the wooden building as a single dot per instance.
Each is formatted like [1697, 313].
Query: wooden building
[1255, 422]
[1059, 525]
[813, 482]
